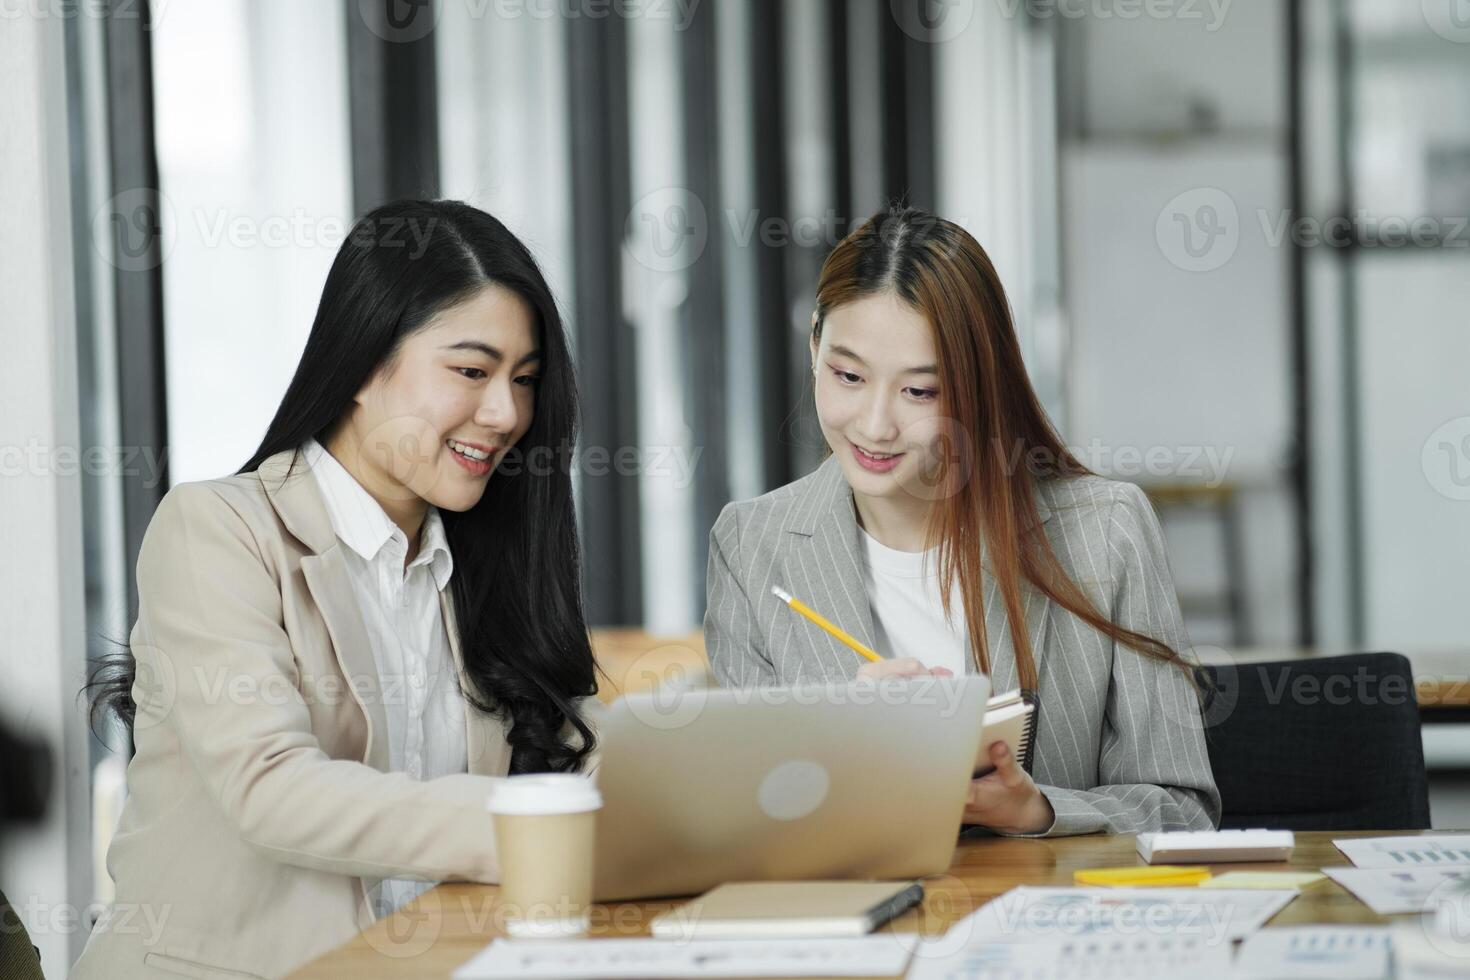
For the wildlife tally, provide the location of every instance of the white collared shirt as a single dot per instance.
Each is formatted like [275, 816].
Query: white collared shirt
[400, 607]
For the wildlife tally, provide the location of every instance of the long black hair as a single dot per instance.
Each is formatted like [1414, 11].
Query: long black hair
[516, 586]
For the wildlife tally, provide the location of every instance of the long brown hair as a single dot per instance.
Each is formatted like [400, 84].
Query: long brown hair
[985, 491]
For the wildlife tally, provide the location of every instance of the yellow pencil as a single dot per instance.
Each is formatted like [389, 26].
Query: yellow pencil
[840, 635]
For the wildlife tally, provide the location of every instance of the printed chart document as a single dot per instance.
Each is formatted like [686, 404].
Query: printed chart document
[1094, 958]
[1444, 850]
[1390, 892]
[1317, 953]
[884, 955]
[1027, 914]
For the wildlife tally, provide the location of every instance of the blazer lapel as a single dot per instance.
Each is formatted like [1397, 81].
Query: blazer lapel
[294, 494]
[331, 590]
[823, 568]
[292, 490]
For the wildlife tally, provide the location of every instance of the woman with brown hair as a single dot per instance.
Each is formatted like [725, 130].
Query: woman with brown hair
[952, 530]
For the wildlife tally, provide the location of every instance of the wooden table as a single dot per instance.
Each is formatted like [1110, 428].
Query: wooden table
[451, 923]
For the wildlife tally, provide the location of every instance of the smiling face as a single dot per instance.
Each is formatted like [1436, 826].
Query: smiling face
[431, 426]
[877, 396]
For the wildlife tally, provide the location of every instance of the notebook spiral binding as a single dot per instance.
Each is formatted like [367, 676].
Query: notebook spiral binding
[1028, 738]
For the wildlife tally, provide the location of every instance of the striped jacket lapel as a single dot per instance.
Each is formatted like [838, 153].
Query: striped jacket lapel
[823, 568]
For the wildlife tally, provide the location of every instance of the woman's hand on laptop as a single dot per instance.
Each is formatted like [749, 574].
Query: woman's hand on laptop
[1005, 799]
[902, 667]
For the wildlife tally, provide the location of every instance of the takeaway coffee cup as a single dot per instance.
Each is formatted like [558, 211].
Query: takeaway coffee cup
[544, 830]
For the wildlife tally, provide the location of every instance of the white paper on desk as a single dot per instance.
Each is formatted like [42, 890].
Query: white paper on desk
[1390, 892]
[1027, 914]
[883, 955]
[1093, 958]
[1423, 952]
[1443, 850]
[1316, 953]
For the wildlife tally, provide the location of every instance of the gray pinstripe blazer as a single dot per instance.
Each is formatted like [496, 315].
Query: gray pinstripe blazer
[1120, 746]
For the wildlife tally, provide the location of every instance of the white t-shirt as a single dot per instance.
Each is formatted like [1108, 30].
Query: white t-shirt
[908, 617]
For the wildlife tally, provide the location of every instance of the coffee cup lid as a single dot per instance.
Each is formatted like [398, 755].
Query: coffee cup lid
[544, 793]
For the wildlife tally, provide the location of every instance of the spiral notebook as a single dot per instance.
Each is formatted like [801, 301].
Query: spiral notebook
[1009, 718]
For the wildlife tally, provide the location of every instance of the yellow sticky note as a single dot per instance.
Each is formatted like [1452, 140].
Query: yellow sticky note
[1143, 876]
[1263, 879]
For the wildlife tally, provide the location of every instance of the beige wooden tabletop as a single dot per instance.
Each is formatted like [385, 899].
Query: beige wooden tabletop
[451, 923]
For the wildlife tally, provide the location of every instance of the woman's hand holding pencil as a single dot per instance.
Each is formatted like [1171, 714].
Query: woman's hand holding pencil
[902, 667]
[876, 666]
[1005, 799]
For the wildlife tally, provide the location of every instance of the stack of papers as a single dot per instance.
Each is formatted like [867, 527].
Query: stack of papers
[1423, 951]
[1443, 850]
[1389, 892]
[1311, 953]
[1027, 914]
[1095, 958]
[1395, 875]
[1065, 933]
[1317, 953]
[1269, 880]
[615, 959]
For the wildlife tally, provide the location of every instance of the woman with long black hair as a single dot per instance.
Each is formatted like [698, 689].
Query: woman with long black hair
[339, 645]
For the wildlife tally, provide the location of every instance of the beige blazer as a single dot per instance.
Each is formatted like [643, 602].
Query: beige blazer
[258, 796]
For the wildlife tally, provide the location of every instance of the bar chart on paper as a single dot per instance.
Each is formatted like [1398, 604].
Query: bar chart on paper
[1393, 892]
[1091, 958]
[1316, 953]
[1448, 850]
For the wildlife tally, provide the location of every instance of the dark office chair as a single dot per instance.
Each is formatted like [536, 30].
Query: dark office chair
[1329, 743]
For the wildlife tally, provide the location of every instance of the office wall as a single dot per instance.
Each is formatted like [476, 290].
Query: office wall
[1414, 360]
[1409, 88]
[1387, 328]
[1172, 353]
[1146, 74]
[1185, 364]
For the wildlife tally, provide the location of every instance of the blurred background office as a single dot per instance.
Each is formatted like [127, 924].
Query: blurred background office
[1234, 233]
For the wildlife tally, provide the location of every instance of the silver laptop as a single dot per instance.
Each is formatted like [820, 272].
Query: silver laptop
[701, 787]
